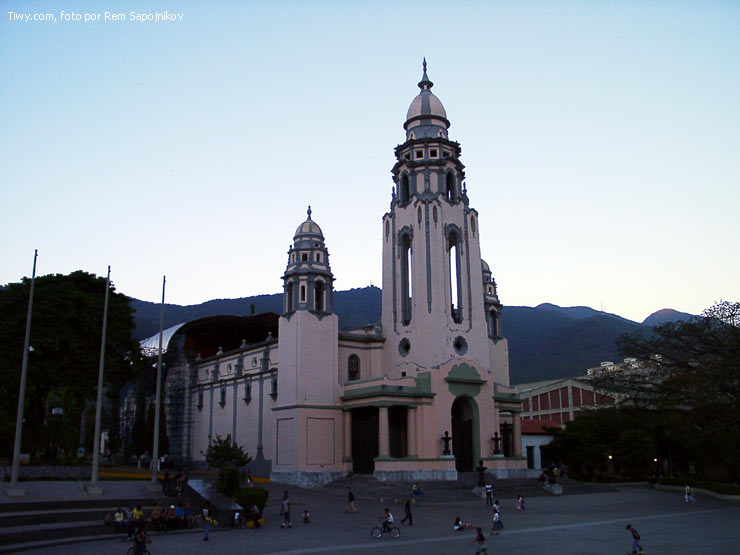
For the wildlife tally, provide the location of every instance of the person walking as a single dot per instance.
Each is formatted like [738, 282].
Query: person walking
[351, 506]
[692, 496]
[636, 547]
[206, 523]
[481, 540]
[519, 502]
[285, 511]
[489, 493]
[497, 524]
[686, 493]
[407, 511]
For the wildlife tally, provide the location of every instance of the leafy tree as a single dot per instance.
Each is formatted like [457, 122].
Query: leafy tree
[687, 375]
[63, 367]
[228, 457]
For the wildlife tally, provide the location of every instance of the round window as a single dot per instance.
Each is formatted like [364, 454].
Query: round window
[460, 345]
[404, 347]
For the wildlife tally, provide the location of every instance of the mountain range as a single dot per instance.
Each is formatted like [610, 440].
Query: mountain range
[545, 342]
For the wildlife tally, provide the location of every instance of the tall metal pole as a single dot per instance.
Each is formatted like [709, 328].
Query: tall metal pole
[99, 405]
[22, 392]
[155, 449]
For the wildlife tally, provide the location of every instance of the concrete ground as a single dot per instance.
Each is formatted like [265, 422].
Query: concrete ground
[578, 524]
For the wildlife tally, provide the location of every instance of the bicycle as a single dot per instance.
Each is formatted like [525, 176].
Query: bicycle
[132, 550]
[377, 531]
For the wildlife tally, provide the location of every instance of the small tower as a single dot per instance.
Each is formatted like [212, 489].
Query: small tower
[307, 424]
[308, 281]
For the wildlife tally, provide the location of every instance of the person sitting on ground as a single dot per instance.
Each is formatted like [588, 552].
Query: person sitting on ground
[120, 519]
[109, 519]
[155, 516]
[140, 541]
[387, 520]
[171, 518]
[459, 525]
[180, 516]
[306, 517]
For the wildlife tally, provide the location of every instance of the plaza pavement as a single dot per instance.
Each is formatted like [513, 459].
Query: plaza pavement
[570, 524]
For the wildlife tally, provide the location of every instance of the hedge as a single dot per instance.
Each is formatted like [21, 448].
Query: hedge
[246, 497]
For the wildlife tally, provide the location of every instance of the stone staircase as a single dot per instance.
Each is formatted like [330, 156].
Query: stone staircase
[364, 486]
[35, 524]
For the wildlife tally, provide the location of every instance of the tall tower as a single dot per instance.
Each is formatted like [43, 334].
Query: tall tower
[434, 307]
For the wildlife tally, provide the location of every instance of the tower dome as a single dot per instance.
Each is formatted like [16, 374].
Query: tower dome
[308, 229]
[426, 116]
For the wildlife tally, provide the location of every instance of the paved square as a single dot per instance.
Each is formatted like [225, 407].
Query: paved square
[589, 523]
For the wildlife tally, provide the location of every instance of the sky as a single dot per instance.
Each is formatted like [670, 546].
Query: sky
[601, 142]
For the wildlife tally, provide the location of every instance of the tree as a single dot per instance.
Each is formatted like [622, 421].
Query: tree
[228, 457]
[65, 335]
[689, 368]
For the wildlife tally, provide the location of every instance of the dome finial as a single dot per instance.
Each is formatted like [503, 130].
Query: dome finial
[425, 84]
[309, 211]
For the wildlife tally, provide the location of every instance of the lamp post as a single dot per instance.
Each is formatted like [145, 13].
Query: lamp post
[155, 449]
[93, 488]
[14, 490]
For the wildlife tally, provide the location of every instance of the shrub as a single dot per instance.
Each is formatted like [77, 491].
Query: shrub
[246, 497]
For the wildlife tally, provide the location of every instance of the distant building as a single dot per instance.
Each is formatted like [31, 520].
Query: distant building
[424, 394]
[534, 437]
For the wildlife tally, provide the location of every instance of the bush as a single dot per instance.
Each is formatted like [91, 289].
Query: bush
[227, 480]
[717, 487]
[246, 497]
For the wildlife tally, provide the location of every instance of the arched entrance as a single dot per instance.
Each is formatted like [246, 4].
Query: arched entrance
[462, 433]
[364, 439]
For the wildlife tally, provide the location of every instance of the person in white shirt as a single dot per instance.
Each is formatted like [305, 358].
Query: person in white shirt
[387, 520]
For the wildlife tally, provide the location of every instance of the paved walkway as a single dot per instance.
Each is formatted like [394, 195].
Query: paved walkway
[579, 524]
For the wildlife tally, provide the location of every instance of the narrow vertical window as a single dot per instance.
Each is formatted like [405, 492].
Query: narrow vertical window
[455, 289]
[404, 189]
[289, 298]
[303, 293]
[450, 192]
[318, 296]
[353, 368]
[406, 279]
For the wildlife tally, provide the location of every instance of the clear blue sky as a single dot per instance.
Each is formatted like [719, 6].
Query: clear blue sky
[601, 139]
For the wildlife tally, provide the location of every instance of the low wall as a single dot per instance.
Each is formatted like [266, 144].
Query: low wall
[48, 472]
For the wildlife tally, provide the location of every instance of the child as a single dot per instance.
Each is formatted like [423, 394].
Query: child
[686, 493]
[520, 503]
[497, 524]
[459, 525]
[489, 493]
[481, 539]
[306, 517]
[636, 547]
[387, 520]
[692, 496]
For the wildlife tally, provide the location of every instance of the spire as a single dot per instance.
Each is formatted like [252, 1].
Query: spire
[425, 84]
[309, 211]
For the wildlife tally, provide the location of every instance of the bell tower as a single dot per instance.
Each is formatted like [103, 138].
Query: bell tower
[433, 295]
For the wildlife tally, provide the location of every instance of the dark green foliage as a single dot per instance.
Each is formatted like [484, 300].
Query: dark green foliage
[228, 457]
[246, 497]
[689, 369]
[66, 330]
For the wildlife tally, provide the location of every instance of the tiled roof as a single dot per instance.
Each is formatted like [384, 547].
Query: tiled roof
[535, 426]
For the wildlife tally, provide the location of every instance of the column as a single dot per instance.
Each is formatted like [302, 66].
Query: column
[411, 430]
[383, 434]
[347, 449]
[516, 417]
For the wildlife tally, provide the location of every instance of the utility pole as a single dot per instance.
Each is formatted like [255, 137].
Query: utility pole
[155, 449]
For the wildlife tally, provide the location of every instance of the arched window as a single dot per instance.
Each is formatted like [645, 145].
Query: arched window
[318, 296]
[455, 278]
[353, 367]
[303, 293]
[406, 281]
[450, 190]
[403, 190]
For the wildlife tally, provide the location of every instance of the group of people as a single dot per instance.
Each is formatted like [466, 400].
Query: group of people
[181, 480]
[172, 518]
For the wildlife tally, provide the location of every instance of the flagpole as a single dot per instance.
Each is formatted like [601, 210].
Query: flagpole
[99, 405]
[155, 449]
[19, 491]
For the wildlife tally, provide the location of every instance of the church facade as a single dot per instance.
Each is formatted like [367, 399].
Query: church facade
[423, 394]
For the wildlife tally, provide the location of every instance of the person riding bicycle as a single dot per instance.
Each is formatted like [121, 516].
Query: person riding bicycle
[387, 520]
[140, 541]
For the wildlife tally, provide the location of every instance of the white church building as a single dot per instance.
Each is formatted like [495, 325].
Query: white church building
[423, 394]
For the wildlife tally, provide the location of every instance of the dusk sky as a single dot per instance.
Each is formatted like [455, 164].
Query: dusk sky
[601, 142]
